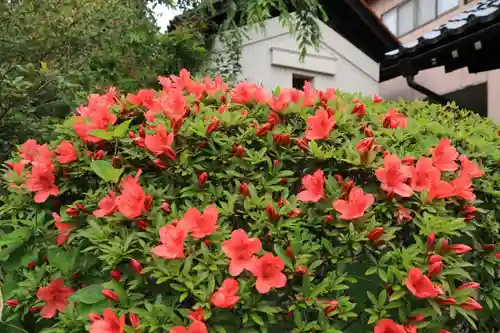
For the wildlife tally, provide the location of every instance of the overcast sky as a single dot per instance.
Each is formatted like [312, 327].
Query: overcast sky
[164, 15]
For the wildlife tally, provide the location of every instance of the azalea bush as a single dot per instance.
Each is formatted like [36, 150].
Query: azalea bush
[200, 208]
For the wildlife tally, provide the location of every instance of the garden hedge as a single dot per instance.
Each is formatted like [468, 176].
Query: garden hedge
[202, 208]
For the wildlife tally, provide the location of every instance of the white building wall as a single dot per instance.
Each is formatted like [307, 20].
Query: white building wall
[271, 57]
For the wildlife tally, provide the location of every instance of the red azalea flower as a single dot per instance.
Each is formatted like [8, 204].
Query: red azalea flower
[440, 190]
[356, 206]
[462, 187]
[435, 265]
[248, 93]
[241, 249]
[393, 119]
[172, 242]
[408, 160]
[197, 315]
[403, 215]
[107, 206]
[460, 248]
[225, 296]
[264, 129]
[319, 125]
[447, 301]
[359, 110]
[419, 284]
[56, 295]
[469, 168]
[65, 152]
[364, 148]
[63, 228]
[110, 323]
[267, 269]
[444, 156]
[393, 176]
[375, 234]
[42, 181]
[30, 152]
[144, 97]
[469, 285]
[161, 142]
[388, 326]
[132, 201]
[200, 225]
[424, 174]
[195, 327]
[313, 185]
[471, 304]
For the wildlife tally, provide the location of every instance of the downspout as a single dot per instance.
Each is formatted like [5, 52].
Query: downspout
[433, 96]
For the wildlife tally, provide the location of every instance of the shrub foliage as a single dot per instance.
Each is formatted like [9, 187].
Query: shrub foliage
[200, 207]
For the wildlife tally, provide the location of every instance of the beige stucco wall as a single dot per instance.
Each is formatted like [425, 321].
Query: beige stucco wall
[271, 57]
[436, 79]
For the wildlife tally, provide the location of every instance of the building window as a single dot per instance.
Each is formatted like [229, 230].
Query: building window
[298, 81]
[446, 5]
[414, 13]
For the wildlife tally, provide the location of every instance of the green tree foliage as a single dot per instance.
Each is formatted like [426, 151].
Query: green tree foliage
[302, 211]
[53, 51]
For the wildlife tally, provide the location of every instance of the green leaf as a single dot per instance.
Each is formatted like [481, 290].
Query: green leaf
[121, 129]
[106, 171]
[256, 318]
[60, 259]
[397, 295]
[371, 270]
[279, 251]
[102, 134]
[88, 295]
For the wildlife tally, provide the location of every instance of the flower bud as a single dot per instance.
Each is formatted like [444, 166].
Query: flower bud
[142, 225]
[431, 241]
[35, 309]
[134, 320]
[93, 317]
[294, 213]
[301, 270]
[272, 214]
[159, 164]
[202, 179]
[375, 234]
[31, 265]
[238, 151]
[110, 294]
[166, 207]
[116, 275]
[12, 302]
[264, 129]
[244, 190]
[72, 211]
[136, 266]
[359, 110]
[212, 126]
[289, 252]
[416, 318]
[302, 144]
[328, 219]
